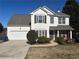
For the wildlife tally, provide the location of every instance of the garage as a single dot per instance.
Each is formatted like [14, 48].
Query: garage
[18, 33]
[19, 26]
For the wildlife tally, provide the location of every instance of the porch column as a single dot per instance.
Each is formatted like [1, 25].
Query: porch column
[58, 33]
[70, 34]
[53, 35]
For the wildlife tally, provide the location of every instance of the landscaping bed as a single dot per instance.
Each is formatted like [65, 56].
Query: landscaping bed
[56, 52]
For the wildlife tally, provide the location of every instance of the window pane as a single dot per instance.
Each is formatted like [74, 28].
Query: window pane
[42, 32]
[63, 21]
[46, 33]
[43, 19]
[52, 20]
[60, 20]
[39, 32]
[40, 19]
[37, 19]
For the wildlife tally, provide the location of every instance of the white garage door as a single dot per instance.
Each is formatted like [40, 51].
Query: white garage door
[20, 35]
[14, 34]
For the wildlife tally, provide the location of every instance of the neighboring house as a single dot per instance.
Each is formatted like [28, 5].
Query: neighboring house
[43, 20]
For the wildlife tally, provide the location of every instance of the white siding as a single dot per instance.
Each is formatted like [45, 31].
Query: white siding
[55, 22]
[17, 33]
[67, 21]
[35, 26]
[40, 26]
[40, 12]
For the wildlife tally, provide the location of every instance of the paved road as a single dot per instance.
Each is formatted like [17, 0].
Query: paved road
[13, 50]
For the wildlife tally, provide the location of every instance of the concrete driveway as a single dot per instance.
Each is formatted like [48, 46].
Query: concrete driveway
[13, 49]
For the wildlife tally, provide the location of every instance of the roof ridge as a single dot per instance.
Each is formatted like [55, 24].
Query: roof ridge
[49, 9]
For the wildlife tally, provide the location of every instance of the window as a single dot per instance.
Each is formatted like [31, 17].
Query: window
[39, 32]
[42, 33]
[45, 33]
[61, 20]
[40, 19]
[52, 20]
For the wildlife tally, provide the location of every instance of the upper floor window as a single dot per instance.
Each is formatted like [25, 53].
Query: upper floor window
[61, 20]
[40, 19]
[51, 19]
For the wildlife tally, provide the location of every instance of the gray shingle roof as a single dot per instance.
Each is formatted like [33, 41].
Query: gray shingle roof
[61, 27]
[20, 20]
[62, 14]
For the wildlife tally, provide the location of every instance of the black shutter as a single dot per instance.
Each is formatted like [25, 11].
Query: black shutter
[35, 19]
[45, 18]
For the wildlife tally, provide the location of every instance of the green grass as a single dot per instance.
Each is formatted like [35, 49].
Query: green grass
[58, 52]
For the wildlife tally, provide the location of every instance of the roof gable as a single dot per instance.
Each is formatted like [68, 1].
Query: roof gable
[45, 9]
[48, 10]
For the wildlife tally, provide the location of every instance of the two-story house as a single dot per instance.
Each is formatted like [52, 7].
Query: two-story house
[43, 20]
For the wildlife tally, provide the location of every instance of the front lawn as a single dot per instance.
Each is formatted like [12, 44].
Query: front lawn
[58, 52]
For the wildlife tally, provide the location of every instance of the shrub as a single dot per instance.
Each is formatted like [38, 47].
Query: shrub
[60, 40]
[32, 36]
[43, 40]
[70, 41]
